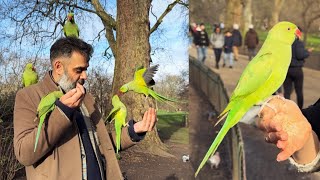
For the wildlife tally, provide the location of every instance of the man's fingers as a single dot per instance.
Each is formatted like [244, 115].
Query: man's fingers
[70, 93]
[282, 144]
[81, 88]
[152, 118]
[284, 155]
[274, 137]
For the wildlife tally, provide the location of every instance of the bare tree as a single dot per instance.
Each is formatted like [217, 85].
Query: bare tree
[247, 15]
[310, 12]
[276, 11]
[233, 12]
[127, 35]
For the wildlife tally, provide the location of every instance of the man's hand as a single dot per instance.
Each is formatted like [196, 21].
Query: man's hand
[147, 123]
[74, 97]
[287, 128]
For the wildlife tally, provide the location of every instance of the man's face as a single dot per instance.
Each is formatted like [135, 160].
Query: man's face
[75, 69]
[202, 27]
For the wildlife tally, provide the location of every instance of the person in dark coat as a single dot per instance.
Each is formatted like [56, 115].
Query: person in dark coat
[201, 41]
[295, 73]
[251, 41]
[227, 49]
[237, 41]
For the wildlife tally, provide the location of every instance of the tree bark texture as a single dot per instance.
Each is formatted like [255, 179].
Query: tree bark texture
[276, 12]
[132, 51]
[247, 16]
[233, 13]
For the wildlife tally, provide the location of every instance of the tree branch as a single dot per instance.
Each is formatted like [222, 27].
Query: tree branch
[159, 21]
[109, 24]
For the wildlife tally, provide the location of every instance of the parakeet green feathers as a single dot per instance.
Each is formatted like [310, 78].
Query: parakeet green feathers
[119, 115]
[263, 76]
[45, 106]
[29, 75]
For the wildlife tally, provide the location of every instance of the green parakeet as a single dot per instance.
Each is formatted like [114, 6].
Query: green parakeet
[45, 106]
[70, 28]
[141, 82]
[262, 77]
[29, 75]
[119, 114]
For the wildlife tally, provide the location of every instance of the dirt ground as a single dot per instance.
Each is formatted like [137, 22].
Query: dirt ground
[139, 166]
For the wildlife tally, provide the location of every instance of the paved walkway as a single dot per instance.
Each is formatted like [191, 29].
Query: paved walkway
[230, 77]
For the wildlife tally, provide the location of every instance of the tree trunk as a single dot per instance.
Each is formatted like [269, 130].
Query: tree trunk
[247, 16]
[233, 13]
[276, 12]
[132, 51]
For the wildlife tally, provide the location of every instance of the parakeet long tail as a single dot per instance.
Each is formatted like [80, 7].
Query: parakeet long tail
[221, 117]
[161, 98]
[234, 115]
[213, 147]
[38, 132]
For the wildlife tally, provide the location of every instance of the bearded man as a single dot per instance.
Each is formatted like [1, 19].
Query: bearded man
[74, 142]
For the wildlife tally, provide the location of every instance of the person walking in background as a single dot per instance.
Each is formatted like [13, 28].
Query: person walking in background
[251, 41]
[227, 47]
[192, 32]
[295, 73]
[237, 41]
[217, 41]
[202, 42]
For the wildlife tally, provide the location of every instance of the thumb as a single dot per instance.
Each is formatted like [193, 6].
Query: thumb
[284, 155]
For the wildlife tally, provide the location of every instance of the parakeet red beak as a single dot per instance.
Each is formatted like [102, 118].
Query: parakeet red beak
[298, 33]
[34, 69]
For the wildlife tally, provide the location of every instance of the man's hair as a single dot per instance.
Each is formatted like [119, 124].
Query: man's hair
[64, 47]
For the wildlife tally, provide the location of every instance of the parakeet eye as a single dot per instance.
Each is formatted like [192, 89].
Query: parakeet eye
[288, 29]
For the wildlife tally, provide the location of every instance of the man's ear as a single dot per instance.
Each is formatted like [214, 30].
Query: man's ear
[58, 67]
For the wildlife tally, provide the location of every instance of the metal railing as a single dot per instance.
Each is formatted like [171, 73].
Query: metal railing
[210, 83]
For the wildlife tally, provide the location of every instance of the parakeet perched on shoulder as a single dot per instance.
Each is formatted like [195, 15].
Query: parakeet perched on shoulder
[119, 115]
[29, 75]
[143, 79]
[263, 76]
[70, 27]
[45, 106]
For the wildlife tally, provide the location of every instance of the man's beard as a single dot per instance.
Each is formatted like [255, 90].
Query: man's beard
[66, 83]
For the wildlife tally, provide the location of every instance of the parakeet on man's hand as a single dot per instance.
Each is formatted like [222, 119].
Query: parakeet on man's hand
[141, 83]
[70, 27]
[29, 75]
[263, 76]
[45, 107]
[119, 115]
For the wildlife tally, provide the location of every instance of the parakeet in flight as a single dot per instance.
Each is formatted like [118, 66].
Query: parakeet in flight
[143, 79]
[45, 106]
[263, 76]
[29, 75]
[70, 27]
[119, 115]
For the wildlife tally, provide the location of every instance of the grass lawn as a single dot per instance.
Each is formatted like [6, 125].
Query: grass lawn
[171, 126]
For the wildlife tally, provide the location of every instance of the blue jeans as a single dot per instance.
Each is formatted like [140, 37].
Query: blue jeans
[228, 56]
[251, 52]
[202, 53]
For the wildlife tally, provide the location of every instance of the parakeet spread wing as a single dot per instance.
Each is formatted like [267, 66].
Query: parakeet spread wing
[149, 74]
